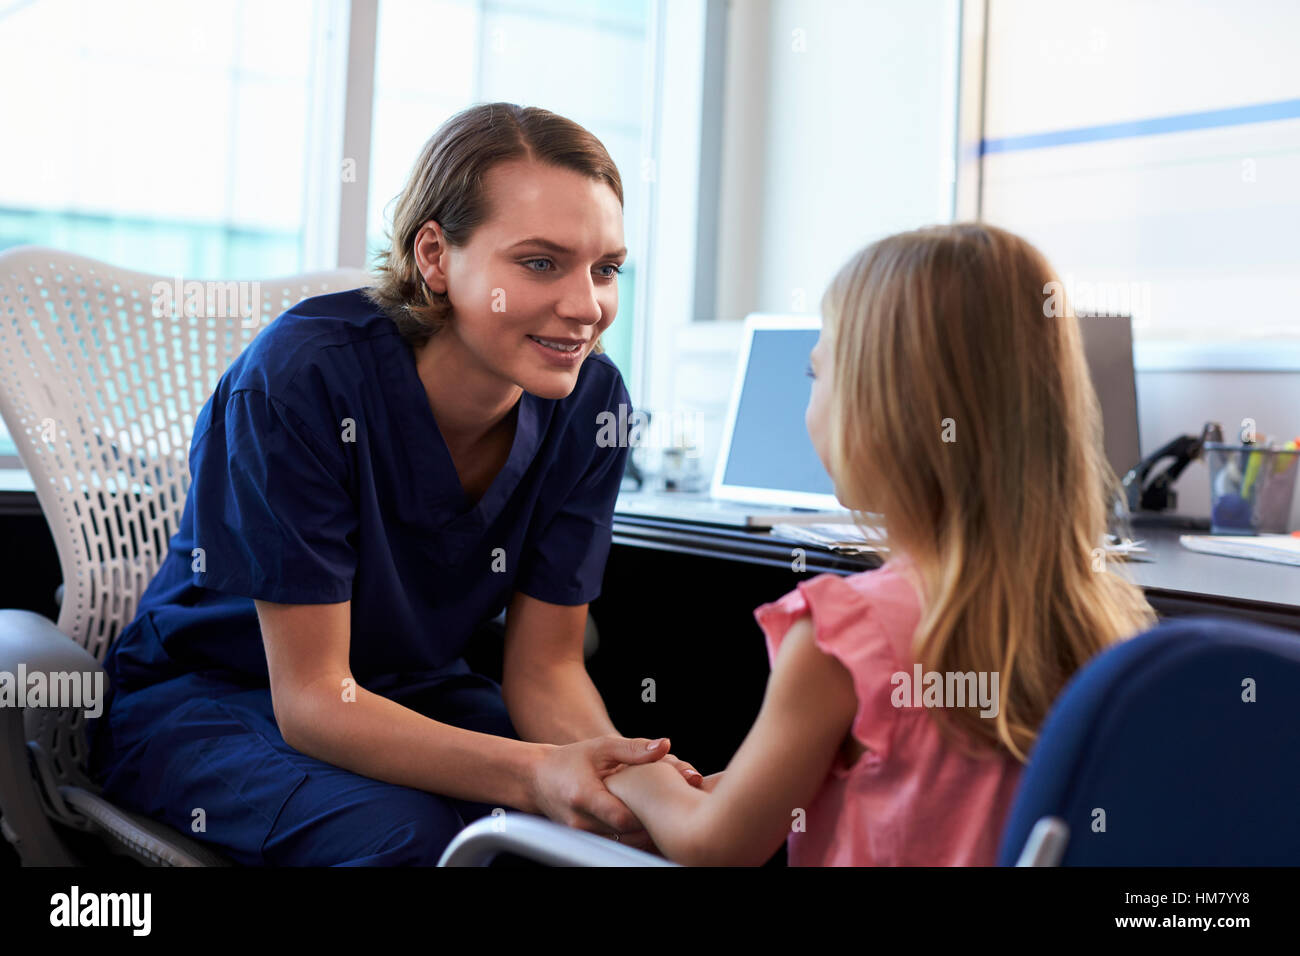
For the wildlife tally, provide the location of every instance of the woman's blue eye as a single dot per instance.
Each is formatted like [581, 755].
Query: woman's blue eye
[608, 275]
[810, 372]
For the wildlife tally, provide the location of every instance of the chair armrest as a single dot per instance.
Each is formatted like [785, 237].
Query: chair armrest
[33, 643]
[542, 840]
[32, 640]
[1046, 843]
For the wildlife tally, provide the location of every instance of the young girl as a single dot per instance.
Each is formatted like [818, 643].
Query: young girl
[952, 403]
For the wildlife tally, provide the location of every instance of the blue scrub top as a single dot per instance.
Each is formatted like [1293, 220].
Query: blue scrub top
[318, 475]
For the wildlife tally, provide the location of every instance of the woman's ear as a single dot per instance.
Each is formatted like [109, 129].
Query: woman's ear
[430, 253]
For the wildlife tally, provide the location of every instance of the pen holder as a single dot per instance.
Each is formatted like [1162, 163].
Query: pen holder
[1250, 488]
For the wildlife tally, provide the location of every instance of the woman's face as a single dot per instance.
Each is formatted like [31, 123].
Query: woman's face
[541, 269]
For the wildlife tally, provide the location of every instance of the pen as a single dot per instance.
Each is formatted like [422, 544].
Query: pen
[1253, 461]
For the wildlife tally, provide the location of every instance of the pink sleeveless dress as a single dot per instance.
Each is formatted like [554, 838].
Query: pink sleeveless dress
[912, 799]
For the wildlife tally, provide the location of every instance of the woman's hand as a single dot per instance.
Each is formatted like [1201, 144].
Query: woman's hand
[568, 784]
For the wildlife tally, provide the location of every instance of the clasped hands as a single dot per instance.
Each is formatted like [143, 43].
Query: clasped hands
[569, 786]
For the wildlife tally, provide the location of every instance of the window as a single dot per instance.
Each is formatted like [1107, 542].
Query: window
[206, 140]
[580, 58]
[1152, 151]
[162, 137]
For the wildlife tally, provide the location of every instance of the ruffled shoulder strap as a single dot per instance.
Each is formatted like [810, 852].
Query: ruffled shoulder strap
[853, 620]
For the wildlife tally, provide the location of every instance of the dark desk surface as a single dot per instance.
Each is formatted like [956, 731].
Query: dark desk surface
[1175, 577]
[1180, 572]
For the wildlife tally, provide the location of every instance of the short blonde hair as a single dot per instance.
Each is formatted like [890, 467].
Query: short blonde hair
[446, 185]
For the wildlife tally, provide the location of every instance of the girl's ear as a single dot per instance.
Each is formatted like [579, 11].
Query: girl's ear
[430, 252]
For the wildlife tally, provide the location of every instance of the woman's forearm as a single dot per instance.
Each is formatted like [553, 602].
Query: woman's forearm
[381, 739]
[556, 705]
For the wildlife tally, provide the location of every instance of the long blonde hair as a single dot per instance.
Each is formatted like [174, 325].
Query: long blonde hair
[963, 413]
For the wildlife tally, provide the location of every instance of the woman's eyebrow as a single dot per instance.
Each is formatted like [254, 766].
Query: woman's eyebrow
[559, 249]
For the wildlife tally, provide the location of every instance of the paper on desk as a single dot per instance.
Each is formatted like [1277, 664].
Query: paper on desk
[846, 538]
[1276, 548]
[1123, 547]
[850, 539]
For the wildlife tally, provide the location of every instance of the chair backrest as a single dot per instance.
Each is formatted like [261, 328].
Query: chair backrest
[1180, 747]
[102, 374]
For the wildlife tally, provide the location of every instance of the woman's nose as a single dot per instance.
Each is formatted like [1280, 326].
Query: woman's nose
[578, 299]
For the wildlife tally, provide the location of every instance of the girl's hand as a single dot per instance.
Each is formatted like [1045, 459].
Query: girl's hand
[567, 784]
[691, 775]
[711, 781]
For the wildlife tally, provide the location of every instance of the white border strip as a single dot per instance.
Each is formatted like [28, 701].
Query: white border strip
[1212, 356]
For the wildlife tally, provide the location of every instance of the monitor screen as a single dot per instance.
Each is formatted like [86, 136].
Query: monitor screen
[769, 447]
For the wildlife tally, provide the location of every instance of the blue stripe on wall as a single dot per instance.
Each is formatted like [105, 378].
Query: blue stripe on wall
[1181, 123]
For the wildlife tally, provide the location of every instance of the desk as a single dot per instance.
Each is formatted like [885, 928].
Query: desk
[1180, 582]
[1177, 581]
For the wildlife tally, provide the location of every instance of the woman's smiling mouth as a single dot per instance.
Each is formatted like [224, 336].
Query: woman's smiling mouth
[560, 351]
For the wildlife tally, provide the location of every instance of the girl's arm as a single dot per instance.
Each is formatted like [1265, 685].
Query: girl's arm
[807, 710]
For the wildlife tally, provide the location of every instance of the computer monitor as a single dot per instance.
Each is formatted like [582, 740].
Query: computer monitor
[767, 458]
[1108, 345]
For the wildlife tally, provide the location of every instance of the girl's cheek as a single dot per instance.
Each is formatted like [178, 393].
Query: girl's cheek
[813, 420]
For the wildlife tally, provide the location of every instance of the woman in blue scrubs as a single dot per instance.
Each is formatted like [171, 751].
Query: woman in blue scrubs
[381, 472]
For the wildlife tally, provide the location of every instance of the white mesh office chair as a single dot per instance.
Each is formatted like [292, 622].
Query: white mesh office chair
[100, 394]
